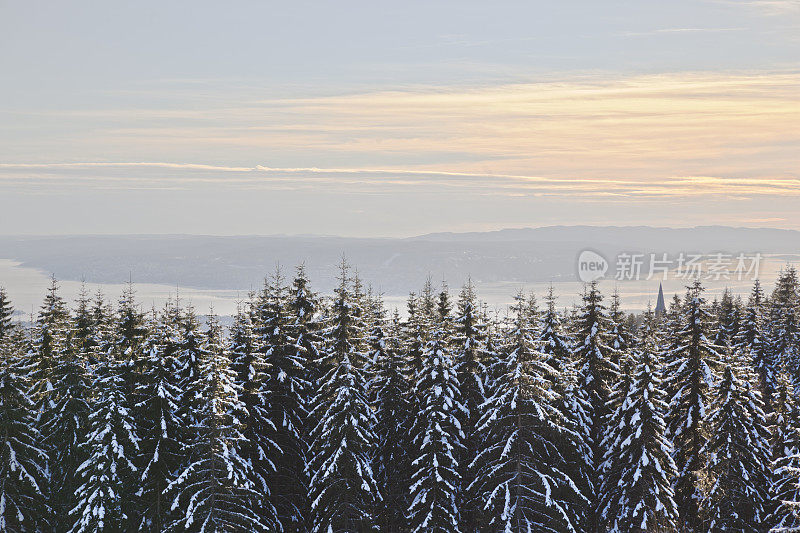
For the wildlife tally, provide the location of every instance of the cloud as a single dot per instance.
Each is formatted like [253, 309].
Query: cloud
[593, 126]
[153, 175]
[661, 31]
[597, 137]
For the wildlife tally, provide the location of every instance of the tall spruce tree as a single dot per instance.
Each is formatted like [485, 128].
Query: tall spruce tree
[286, 388]
[469, 354]
[556, 345]
[638, 495]
[188, 358]
[784, 494]
[393, 421]
[130, 332]
[750, 341]
[691, 377]
[62, 387]
[597, 374]
[106, 497]
[784, 331]
[738, 454]
[84, 324]
[343, 488]
[23, 462]
[519, 471]
[305, 309]
[6, 314]
[435, 480]
[554, 340]
[619, 335]
[258, 448]
[158, 409]
[216, 492]
[728, 317]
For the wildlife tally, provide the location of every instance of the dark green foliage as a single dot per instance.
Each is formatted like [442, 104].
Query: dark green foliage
[285, 389]
[323, 414]
[469, 353]
[109, 478]
[519, 469]
[343, 489]
[6, 314]
[690, 373]
[750, 341]
[783, 333]
[784, 495]
[216, 493]
[23, 463]
[389, 386]
[637, 492]
[597, 374]
[158, 416]
[435, 479]
[738, 455]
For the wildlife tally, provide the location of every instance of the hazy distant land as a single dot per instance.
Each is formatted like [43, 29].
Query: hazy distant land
[222, 269]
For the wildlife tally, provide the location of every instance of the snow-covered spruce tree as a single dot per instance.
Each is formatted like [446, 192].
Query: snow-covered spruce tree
[784, 494]
[597, 374]
[388, 386]
[188, 358]
[638, 495]
[556, 345]
[64, 424]
[106, 497]
[258, 447]
[520, 478]
[6, 314]
[93, 332]
[415, 334]
[216, 492]
[669, 330]
[23, 463]
[619, 335]
[305, 310]
[83, 320]
[784, 331]
[285, 389]
[728, 319]
[62, 389]
[49, 341]
[690, 375]
[469, 353]
[554, 341]
[438, 437]
[304, 331]
[130, 332]
[49, 344]
[738, 455]
[750, 341]
[343, 489]
[162, 429]
[619, 341]
[619, 421]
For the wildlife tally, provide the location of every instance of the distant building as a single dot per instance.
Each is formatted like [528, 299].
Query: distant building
[660, 307]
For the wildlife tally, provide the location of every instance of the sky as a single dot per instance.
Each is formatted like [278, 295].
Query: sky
[396, 118]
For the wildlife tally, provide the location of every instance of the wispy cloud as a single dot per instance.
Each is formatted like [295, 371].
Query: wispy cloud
[592, 126]
[611, 140]
[140, 175]
[689, 30]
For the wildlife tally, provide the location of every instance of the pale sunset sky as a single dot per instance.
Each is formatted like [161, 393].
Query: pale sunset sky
[396, 118]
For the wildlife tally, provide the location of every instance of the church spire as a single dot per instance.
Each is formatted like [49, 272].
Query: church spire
[660, 307]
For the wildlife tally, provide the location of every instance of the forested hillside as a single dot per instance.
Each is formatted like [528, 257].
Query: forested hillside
[314, 413]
